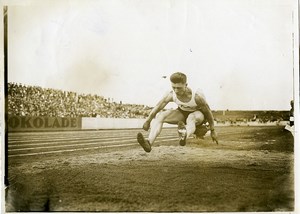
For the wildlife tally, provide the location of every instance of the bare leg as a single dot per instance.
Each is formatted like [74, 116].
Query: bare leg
[194, 118]
[169, 116]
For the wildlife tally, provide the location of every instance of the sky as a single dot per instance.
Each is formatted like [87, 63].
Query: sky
[239, 53]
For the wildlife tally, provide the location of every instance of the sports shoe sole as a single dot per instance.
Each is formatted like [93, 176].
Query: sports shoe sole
[144, 143]
[182, 141]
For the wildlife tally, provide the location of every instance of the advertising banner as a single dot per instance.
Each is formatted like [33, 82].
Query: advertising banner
[17, 123]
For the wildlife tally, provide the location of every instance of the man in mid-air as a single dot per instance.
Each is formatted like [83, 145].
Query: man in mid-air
[192, 111]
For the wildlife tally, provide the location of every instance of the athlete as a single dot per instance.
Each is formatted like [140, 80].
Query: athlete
[192, 110]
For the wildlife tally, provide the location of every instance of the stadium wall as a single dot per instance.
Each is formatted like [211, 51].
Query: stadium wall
[113, 123]
[110, 123]
[17, 123]
[20, 124]
[122, 123]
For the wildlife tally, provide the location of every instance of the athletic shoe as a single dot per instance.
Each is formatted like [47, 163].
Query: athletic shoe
[143, 142]
[182, 133]
[200, 131]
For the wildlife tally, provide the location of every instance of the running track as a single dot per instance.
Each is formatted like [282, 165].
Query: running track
[23, 144]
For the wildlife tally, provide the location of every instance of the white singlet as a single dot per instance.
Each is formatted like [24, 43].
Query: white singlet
[190, 105]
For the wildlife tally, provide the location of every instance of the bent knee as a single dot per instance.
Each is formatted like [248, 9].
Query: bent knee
[196, 117]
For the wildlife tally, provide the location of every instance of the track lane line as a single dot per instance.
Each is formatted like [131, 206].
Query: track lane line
[82, 149]
[55, 141]
[76, 144]
[70, 150]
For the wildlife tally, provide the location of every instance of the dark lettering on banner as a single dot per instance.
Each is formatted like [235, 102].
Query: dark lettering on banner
[13, 122]
[38, 122]
[47, 123]
[73, 122]
[25, 122]
[65, 122]
[56, 123]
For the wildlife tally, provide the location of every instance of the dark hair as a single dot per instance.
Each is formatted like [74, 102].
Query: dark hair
[178, 77]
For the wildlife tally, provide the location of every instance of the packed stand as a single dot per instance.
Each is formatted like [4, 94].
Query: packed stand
[37, 101]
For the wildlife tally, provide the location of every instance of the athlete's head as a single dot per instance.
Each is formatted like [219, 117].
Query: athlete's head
[178, 81]
[178, 77]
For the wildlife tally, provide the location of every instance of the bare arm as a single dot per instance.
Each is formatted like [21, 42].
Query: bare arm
[159, 106]
[204, 107]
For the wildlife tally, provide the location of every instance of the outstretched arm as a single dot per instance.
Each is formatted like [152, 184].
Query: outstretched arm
[203, 106]
[159, 106]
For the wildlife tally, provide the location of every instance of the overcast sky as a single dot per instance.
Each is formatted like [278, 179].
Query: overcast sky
[239, 52]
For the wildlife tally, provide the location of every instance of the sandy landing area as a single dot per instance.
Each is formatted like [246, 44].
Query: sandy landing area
[250, 170]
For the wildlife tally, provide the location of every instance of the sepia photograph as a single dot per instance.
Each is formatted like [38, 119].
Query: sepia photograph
[149, 106]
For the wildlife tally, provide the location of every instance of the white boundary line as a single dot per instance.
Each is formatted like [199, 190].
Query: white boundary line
[81, 149]
[73, 145]
[66, 139]
[71, 150]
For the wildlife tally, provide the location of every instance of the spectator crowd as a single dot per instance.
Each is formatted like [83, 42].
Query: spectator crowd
[25, 100]
[37, 101]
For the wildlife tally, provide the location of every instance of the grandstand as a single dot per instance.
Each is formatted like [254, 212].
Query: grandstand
[26, 100]
[33, 101]
[234, 116]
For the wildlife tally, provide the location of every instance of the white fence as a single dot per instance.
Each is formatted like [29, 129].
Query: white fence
[118, 123]
[110, 123]
[114, 123]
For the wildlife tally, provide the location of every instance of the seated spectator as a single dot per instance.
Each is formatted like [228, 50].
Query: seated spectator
[37, 101]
